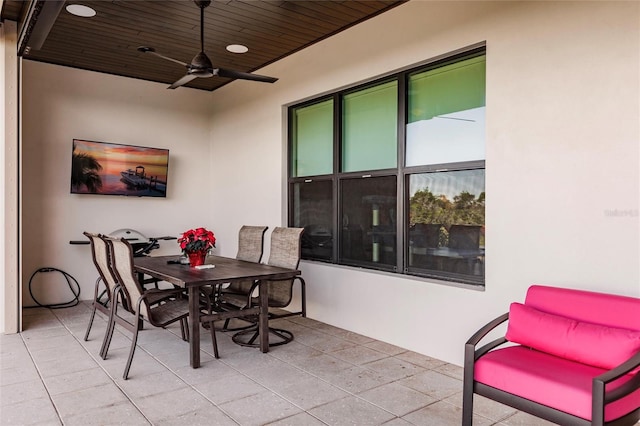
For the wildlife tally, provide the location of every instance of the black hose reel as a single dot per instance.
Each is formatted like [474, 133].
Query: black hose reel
[72, 283]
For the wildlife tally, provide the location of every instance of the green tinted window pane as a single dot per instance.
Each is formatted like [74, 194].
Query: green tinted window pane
[370, 128]
[447, 114]
[313, 140]
[455, 87]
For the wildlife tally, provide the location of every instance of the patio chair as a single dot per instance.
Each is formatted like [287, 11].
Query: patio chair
[135, 301]
[250, 249]
[101, 300]
[285, 253]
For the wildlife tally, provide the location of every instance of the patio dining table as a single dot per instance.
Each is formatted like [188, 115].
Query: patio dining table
[225, 270]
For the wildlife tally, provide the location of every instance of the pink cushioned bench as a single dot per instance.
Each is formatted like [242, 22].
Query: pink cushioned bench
[571, 357]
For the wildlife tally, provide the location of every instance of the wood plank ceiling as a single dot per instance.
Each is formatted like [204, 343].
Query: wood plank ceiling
[271, 29]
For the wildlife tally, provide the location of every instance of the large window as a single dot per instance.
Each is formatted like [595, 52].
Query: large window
[389, 175]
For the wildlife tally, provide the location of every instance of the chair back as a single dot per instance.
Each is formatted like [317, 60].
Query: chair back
[250, 249]
[122, 267]
[101, 259]
[464, 237]
[250, 243]
[285, 253]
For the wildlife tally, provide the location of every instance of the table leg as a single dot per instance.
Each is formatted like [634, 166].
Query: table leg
[194, 325]
[263, 318]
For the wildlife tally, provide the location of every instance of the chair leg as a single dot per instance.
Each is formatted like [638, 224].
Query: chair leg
[303, 296]
[213, 339]
[134, 342]
[93, 314]
[107, 338]
[184, 329]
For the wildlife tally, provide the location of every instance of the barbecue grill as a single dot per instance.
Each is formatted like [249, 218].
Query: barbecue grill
[140, 244]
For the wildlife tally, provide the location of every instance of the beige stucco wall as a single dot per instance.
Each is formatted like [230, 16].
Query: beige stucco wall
[61, 104]
[562, 155]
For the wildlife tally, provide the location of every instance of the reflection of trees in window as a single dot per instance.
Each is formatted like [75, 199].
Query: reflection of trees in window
[84, 171]
[465, 209]
[429, 208]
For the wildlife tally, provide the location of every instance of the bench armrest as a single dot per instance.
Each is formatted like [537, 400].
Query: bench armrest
[478, 335]
[599, 394]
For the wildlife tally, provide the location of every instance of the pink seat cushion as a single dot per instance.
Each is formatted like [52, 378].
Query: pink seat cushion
[549, 380]
[592, 344]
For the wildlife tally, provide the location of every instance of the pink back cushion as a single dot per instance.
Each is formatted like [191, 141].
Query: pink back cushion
[599, 308]
[584, 342]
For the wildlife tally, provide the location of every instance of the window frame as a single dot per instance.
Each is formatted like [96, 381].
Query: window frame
[401, 171]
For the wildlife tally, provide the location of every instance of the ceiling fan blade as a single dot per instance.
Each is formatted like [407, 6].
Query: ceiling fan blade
[146, 49]
[184, 80]
[223, 72]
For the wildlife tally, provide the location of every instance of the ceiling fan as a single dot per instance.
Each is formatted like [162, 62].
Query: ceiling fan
[201, 65]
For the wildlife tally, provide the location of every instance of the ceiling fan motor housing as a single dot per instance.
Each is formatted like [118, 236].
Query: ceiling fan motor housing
[201, 65]
[202, 3]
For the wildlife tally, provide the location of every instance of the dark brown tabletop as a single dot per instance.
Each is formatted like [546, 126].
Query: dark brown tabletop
[225, 270]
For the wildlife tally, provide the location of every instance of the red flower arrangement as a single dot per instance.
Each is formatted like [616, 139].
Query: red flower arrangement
[197, 240]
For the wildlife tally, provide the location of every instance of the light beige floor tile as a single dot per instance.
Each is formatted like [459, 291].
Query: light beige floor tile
[21, 374]
[294, 350]
[451, 370]
[172, 403]
[50, 341]
[321, 364]
[311, 392]
[434, 384]
[352, 337]
[355, 379]
[351, 411]
[422, 360]
[277, 376]
[359, 355]
[394, 368]
[397, 422]
[330, 344]
[301, 419]
[142, 365]
[442, 414]
[484, 407]
[64, 365]
[386, 348]
[151, 384]
[31, 412]
[524, 419]
[397, 399]
[15, 356]
[250, 359]
[229, 388]
[77, 380]
[259, 409]
[125, 414]
[203, 417]
[20, 392]
[209, 370]
[249, 386]
[76, 402]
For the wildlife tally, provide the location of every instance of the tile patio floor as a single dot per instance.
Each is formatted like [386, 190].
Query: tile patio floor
[326, 376]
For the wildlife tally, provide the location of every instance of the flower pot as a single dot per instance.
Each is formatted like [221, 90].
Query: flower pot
[196, 258]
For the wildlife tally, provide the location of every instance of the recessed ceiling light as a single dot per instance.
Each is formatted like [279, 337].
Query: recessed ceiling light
[237, 48]
[80, 10]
